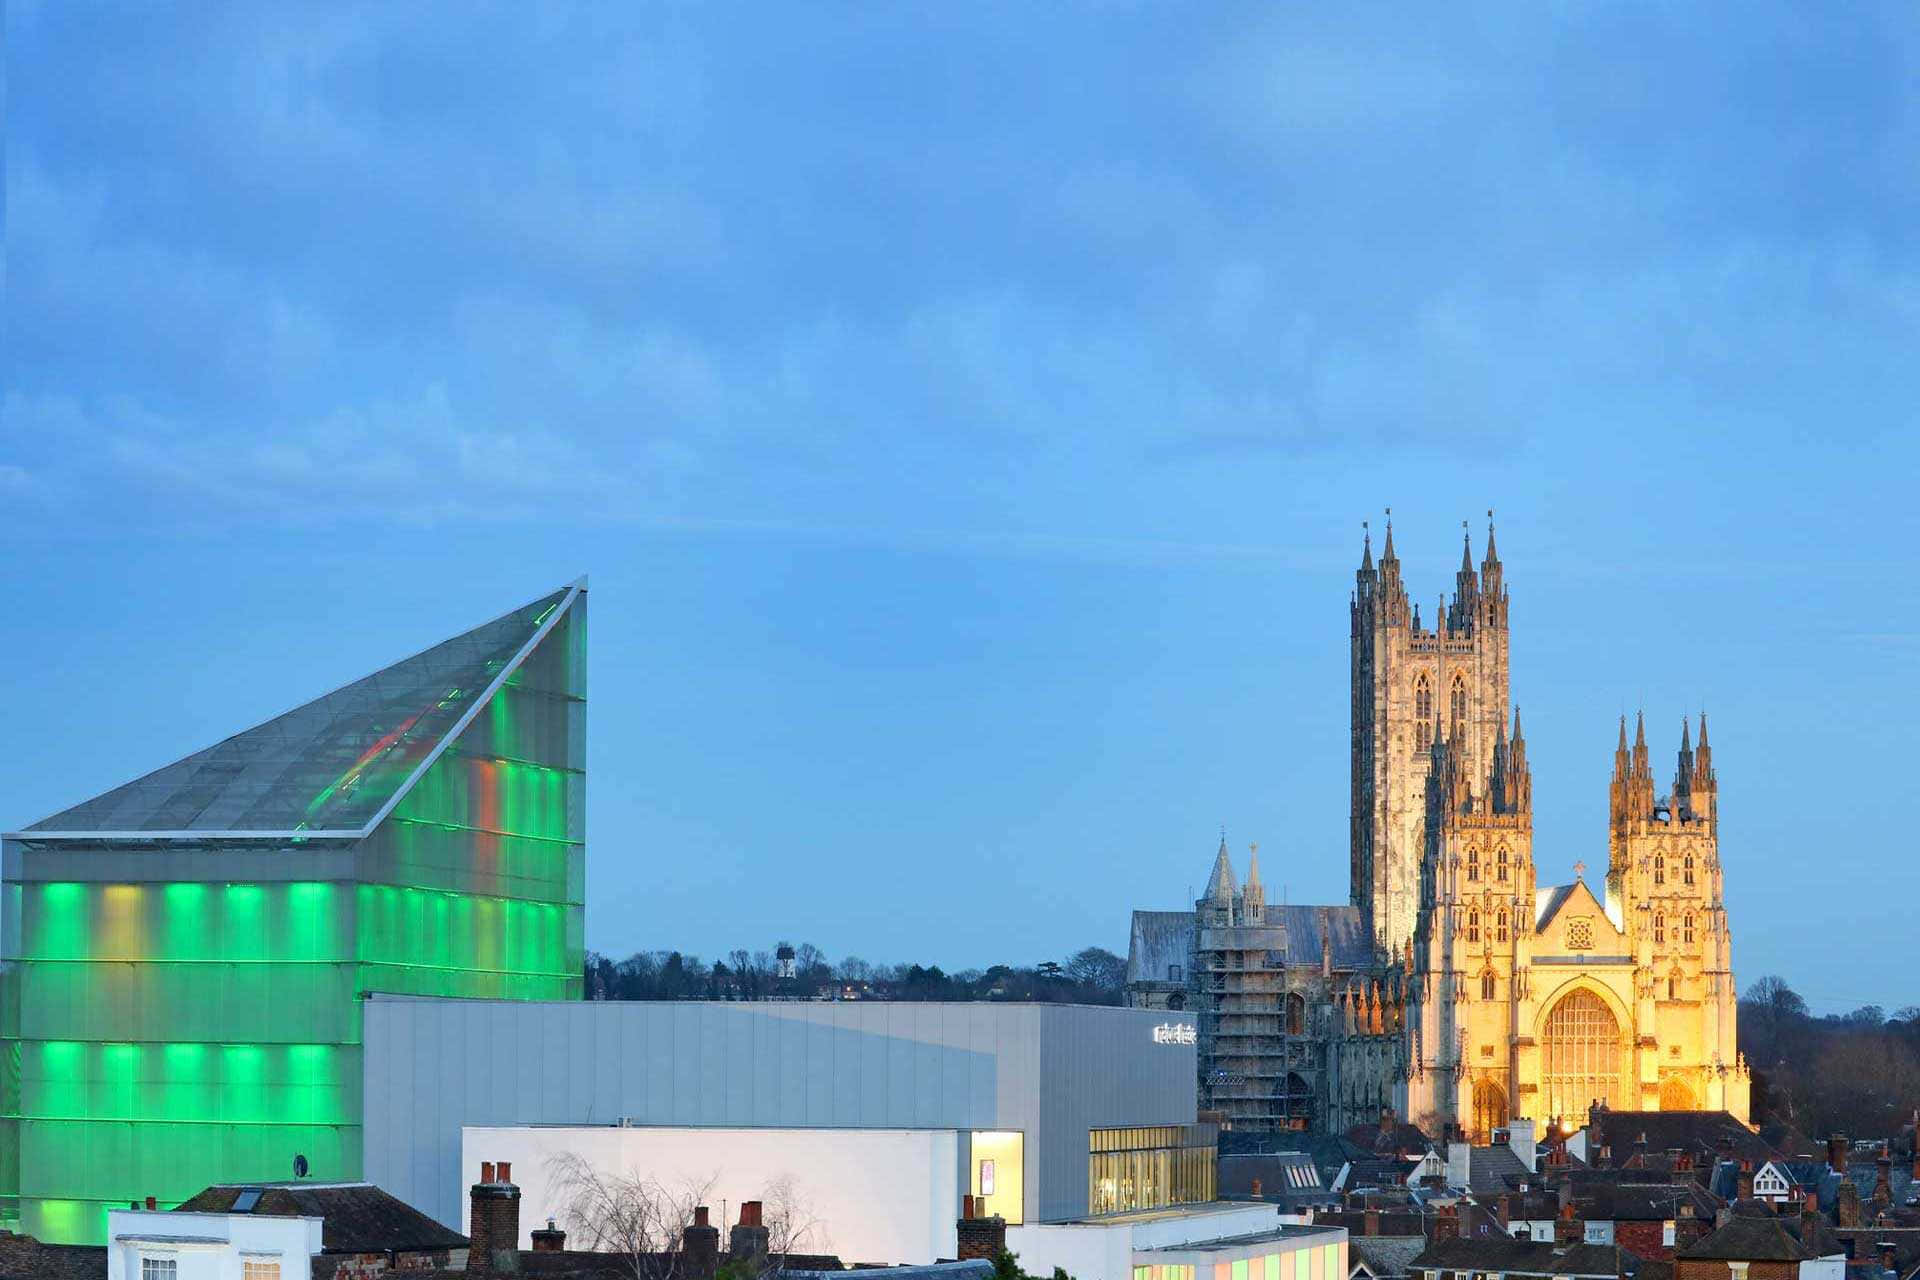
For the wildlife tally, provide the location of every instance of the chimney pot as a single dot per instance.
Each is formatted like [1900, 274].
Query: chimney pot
[505, 1172]
[486, 1171]
[152, 1202]
[966, 1208]
[700, 1216]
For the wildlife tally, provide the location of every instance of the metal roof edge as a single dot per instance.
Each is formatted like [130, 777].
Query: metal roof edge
[459, 726]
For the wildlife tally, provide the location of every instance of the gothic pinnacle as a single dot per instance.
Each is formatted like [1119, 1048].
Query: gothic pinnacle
[1366, 548]
[1386, 552]
[1466, 549]
[1493, 557]
[1639, 731]
[1516, 722]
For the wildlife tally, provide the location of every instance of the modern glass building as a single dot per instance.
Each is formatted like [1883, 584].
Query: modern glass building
[183, 959]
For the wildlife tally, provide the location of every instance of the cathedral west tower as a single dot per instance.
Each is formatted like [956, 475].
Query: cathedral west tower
[1415, 685]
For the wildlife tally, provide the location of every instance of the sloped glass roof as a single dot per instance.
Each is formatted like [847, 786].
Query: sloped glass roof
[329, 765]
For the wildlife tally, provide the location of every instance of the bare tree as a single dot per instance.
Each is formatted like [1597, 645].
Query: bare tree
[640, 1219]
[789, 1221]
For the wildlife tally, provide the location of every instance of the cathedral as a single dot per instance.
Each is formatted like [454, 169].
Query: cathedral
[1454, 988]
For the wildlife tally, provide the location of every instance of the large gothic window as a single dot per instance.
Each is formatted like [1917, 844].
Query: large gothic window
[1581, 1057]
[1422, 714]
[1489, 1110]
[1675, 1095]
[1457, 724]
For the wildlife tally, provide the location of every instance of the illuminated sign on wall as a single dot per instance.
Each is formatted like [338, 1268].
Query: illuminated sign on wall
[1174, 1033]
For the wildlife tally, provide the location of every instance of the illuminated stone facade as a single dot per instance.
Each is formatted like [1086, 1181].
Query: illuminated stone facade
[1475, 995]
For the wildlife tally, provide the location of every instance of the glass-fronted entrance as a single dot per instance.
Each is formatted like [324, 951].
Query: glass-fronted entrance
[1150, 1167]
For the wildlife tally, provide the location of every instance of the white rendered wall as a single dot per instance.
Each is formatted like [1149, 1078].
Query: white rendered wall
[869, 1195]
[209, 1246]
[1104, 1250]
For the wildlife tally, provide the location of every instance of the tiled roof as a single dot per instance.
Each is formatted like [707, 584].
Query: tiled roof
[1386, 1256]
[359, 1217]
[1746, 1239]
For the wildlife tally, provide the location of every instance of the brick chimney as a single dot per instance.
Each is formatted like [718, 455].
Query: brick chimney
[1743, 1183]
[494, 1226]
[1446, 1223]
[1371, 1220]
[1846, 1204]
[549, 1239]
[1837, 1153]
[748, 1240]
[978, 1235]
[1883, 1179]
[1886, 1254]
[700, 1247]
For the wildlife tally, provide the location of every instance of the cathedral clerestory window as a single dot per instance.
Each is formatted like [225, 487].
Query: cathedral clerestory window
[1422, 714]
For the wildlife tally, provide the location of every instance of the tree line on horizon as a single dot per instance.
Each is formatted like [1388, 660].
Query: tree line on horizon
[1852, 1073]
[1092, 975]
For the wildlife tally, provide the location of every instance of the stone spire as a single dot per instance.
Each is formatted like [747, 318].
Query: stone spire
[1683, 774]
[1220, 886]
[1366, 549]
[1254, 896]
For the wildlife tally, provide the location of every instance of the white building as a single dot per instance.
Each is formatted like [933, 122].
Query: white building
[1068, 1109]
[145, 1244]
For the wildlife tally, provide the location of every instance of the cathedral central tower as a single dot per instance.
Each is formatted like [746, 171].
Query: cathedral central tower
[1414, 685]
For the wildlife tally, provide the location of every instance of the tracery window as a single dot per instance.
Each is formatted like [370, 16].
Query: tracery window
[1486, 985]
[1659, 868]
[1502, 924]
[1473, 864]
[1580, 933]
[1458, 723]
[1686, 870]
[1473, 926]
[1296, 1013]
[1686, 928]
[1659, 928]
[1580, 1055]
[1501, 873]
[1422, 714]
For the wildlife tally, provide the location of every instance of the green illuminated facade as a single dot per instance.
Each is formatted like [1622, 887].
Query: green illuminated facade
[182, 959]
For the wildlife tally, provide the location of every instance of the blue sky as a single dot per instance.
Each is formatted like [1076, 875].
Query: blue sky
[966, 415]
